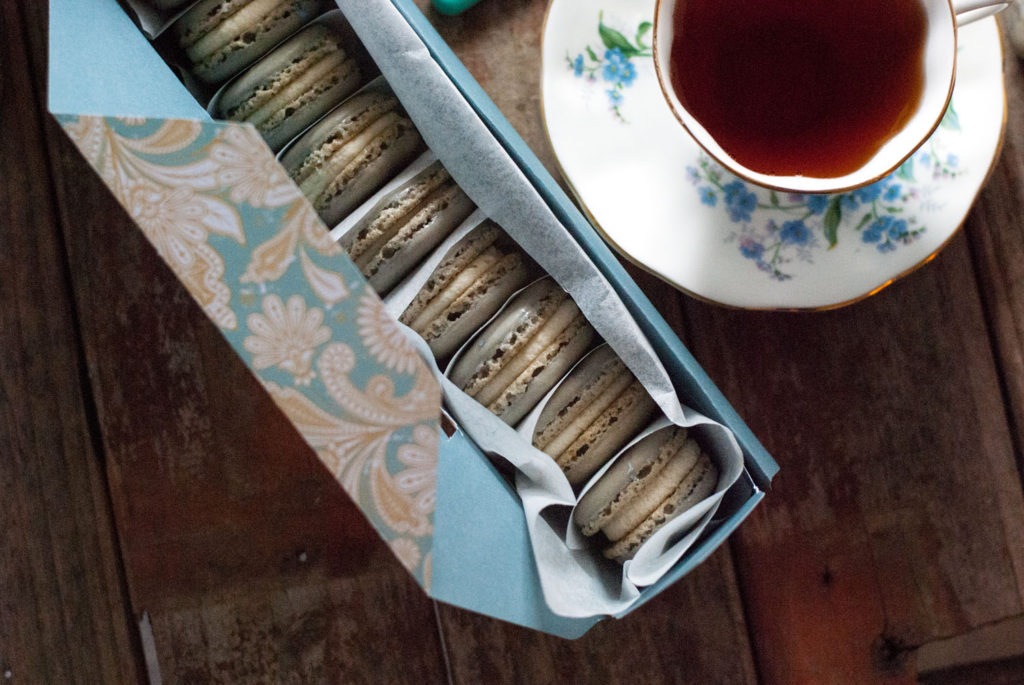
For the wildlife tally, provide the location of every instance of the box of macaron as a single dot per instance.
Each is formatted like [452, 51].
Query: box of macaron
[419, 297]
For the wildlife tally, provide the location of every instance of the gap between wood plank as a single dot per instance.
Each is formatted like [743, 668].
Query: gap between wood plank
[35, 35]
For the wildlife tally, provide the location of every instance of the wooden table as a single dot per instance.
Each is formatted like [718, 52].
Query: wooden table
[145, 478]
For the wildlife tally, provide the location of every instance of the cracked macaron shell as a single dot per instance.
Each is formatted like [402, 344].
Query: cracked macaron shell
[223, 37]
[596, 410]
[524, 351]
[405, 225]
[352, 152]
[474, 279]
[293, 86]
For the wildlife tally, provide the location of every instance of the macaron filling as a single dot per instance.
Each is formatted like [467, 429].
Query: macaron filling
[352, 151]
[655, 481]
[470, 284]
[524, 351]
[630, 411]
[394, 237]
[223, 37]
[506, 336]
[293, 86]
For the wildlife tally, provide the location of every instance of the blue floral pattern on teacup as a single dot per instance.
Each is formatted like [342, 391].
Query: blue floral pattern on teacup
[774, 229]
[613, 67]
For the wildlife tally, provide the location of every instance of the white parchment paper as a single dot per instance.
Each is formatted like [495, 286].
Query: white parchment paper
[576, 581]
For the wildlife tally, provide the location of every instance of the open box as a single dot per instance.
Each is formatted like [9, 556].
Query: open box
[250, 250]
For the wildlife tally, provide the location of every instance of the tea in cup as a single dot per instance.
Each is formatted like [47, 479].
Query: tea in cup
[810, 96]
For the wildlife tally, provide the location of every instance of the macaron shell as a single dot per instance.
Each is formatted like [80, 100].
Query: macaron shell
[306, 159]
[613, 428]
[544, 371]
[697, 486]
[441, 289]
[637, 503]
[506, 335]
[580, 399]
[223, 37]
[588, 408]
[293, 86]
[433, 221]
[477, 304]
[514, 363]
[352, 151]
[630, 472]
[383, 157]
[472, 282]
[382, 222]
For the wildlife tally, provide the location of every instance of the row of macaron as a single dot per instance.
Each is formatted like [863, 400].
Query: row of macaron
[512, 334]
[300, 77]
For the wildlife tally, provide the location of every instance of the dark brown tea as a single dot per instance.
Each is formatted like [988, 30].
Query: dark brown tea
[799, 87]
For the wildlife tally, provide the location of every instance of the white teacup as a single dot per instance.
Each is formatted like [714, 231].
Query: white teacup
[939, 69]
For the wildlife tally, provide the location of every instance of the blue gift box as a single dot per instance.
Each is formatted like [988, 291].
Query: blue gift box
[127, 111]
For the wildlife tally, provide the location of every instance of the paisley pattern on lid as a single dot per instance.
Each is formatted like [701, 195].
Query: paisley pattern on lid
[220, 211]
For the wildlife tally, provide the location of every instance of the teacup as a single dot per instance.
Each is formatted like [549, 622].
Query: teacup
[762, 154]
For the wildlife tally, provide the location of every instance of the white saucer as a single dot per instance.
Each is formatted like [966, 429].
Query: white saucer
[665, 205]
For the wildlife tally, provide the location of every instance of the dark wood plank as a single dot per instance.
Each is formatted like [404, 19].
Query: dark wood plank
[1004, 672]
[898, 515]
[996, 236]
[693, 633]
[64, 614]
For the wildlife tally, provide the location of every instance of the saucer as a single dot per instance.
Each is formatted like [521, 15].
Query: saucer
[667, 206]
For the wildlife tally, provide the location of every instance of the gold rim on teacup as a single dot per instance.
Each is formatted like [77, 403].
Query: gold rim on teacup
[943, 17]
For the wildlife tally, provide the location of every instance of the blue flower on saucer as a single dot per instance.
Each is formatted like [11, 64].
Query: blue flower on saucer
[751, 249]
[795, 232]
[739, 201]
[775, 229]
[816, 204]
[614, 63]
[873, 233]
[869, 193]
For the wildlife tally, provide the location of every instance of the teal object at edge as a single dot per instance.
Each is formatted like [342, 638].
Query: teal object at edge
[451, 7]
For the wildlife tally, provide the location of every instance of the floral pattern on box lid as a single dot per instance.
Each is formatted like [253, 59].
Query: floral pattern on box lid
[222, 213]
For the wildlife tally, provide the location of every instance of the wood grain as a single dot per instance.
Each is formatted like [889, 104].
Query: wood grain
[1004, 672]
[499, 42]
[64, 614]
[897, 516]
[692, 633]
[996, 236]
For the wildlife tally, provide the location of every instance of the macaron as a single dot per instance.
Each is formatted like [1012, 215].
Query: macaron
[223, 37]
[405, 225]
[598, 408]
[474, 279]
[654, 481]
[352, 152]
[293, 86]
[524, 351]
